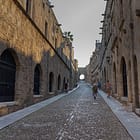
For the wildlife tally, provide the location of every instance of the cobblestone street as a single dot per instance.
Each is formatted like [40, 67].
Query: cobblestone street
[76, 116]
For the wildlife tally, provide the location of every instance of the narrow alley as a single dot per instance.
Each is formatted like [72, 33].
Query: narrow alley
[53, 54]
[76, 116]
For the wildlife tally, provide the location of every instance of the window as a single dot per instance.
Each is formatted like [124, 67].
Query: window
[55, 42]
[28, 6]
[43, 4]
[59, 83]
[7, 77]
[51, 81]
[37, 80]
[121, 8]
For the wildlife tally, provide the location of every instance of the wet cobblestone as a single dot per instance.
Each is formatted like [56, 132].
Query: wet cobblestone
[74, 117]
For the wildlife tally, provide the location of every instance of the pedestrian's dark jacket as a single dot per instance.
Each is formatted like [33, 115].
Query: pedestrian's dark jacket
[95, 89]
[99, 85]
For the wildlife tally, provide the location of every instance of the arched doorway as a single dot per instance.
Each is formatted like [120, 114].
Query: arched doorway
[59, 82]
[124, 77]
[64, 82]
[115, 79]
[37, 74]
[7, 76]
[136, 89]
[105, 75]
[51, 81]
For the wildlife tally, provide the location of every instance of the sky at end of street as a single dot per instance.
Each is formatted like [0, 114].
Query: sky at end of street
[82, 18]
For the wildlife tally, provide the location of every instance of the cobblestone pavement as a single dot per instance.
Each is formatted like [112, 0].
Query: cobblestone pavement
[74, 117]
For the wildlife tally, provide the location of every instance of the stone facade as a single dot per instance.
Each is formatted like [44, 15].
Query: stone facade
[120, 51]
[93, 66]
[32, 41]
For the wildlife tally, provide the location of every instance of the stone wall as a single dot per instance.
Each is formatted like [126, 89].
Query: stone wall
[120, 63]
[26, 41]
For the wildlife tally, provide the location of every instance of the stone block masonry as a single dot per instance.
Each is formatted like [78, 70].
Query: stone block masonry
[27, 44]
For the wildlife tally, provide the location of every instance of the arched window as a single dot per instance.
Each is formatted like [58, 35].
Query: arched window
[124, 77]
[7, 77]
[59, 82]
[37, 80]
[64, 82]
[51, 80]
[28, 6]
[115, 78]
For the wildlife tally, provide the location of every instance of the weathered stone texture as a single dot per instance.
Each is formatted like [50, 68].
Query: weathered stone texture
[120, 43]
[25, 37]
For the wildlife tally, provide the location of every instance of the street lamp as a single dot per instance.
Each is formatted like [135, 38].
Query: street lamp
[138, 12]
[108, 59]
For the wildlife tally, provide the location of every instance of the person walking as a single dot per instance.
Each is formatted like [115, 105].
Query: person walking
[108, 88]
[95, 91]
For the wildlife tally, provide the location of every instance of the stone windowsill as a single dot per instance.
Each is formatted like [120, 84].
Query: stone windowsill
[51, 93]
[38, 96]
[125, 99]
[137, 110]
[5, 104]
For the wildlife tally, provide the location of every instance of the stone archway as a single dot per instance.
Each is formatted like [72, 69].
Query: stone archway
[82, 77]
[82, 71]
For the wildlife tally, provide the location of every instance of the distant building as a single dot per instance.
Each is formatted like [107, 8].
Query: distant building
[93, 67]
[36, 60]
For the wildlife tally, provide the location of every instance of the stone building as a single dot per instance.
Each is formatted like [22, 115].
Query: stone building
[36, 60]
[120, 51]
[75, 72]
[93, 75]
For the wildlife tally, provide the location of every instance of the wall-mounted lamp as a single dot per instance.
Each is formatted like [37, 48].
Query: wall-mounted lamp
[51, 6]
[124, 31]
[59, 25]
[131, 25]
[108, 59]
[138, 12]
[102, 21]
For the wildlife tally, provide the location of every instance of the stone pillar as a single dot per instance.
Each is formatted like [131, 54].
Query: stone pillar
[133, 87]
